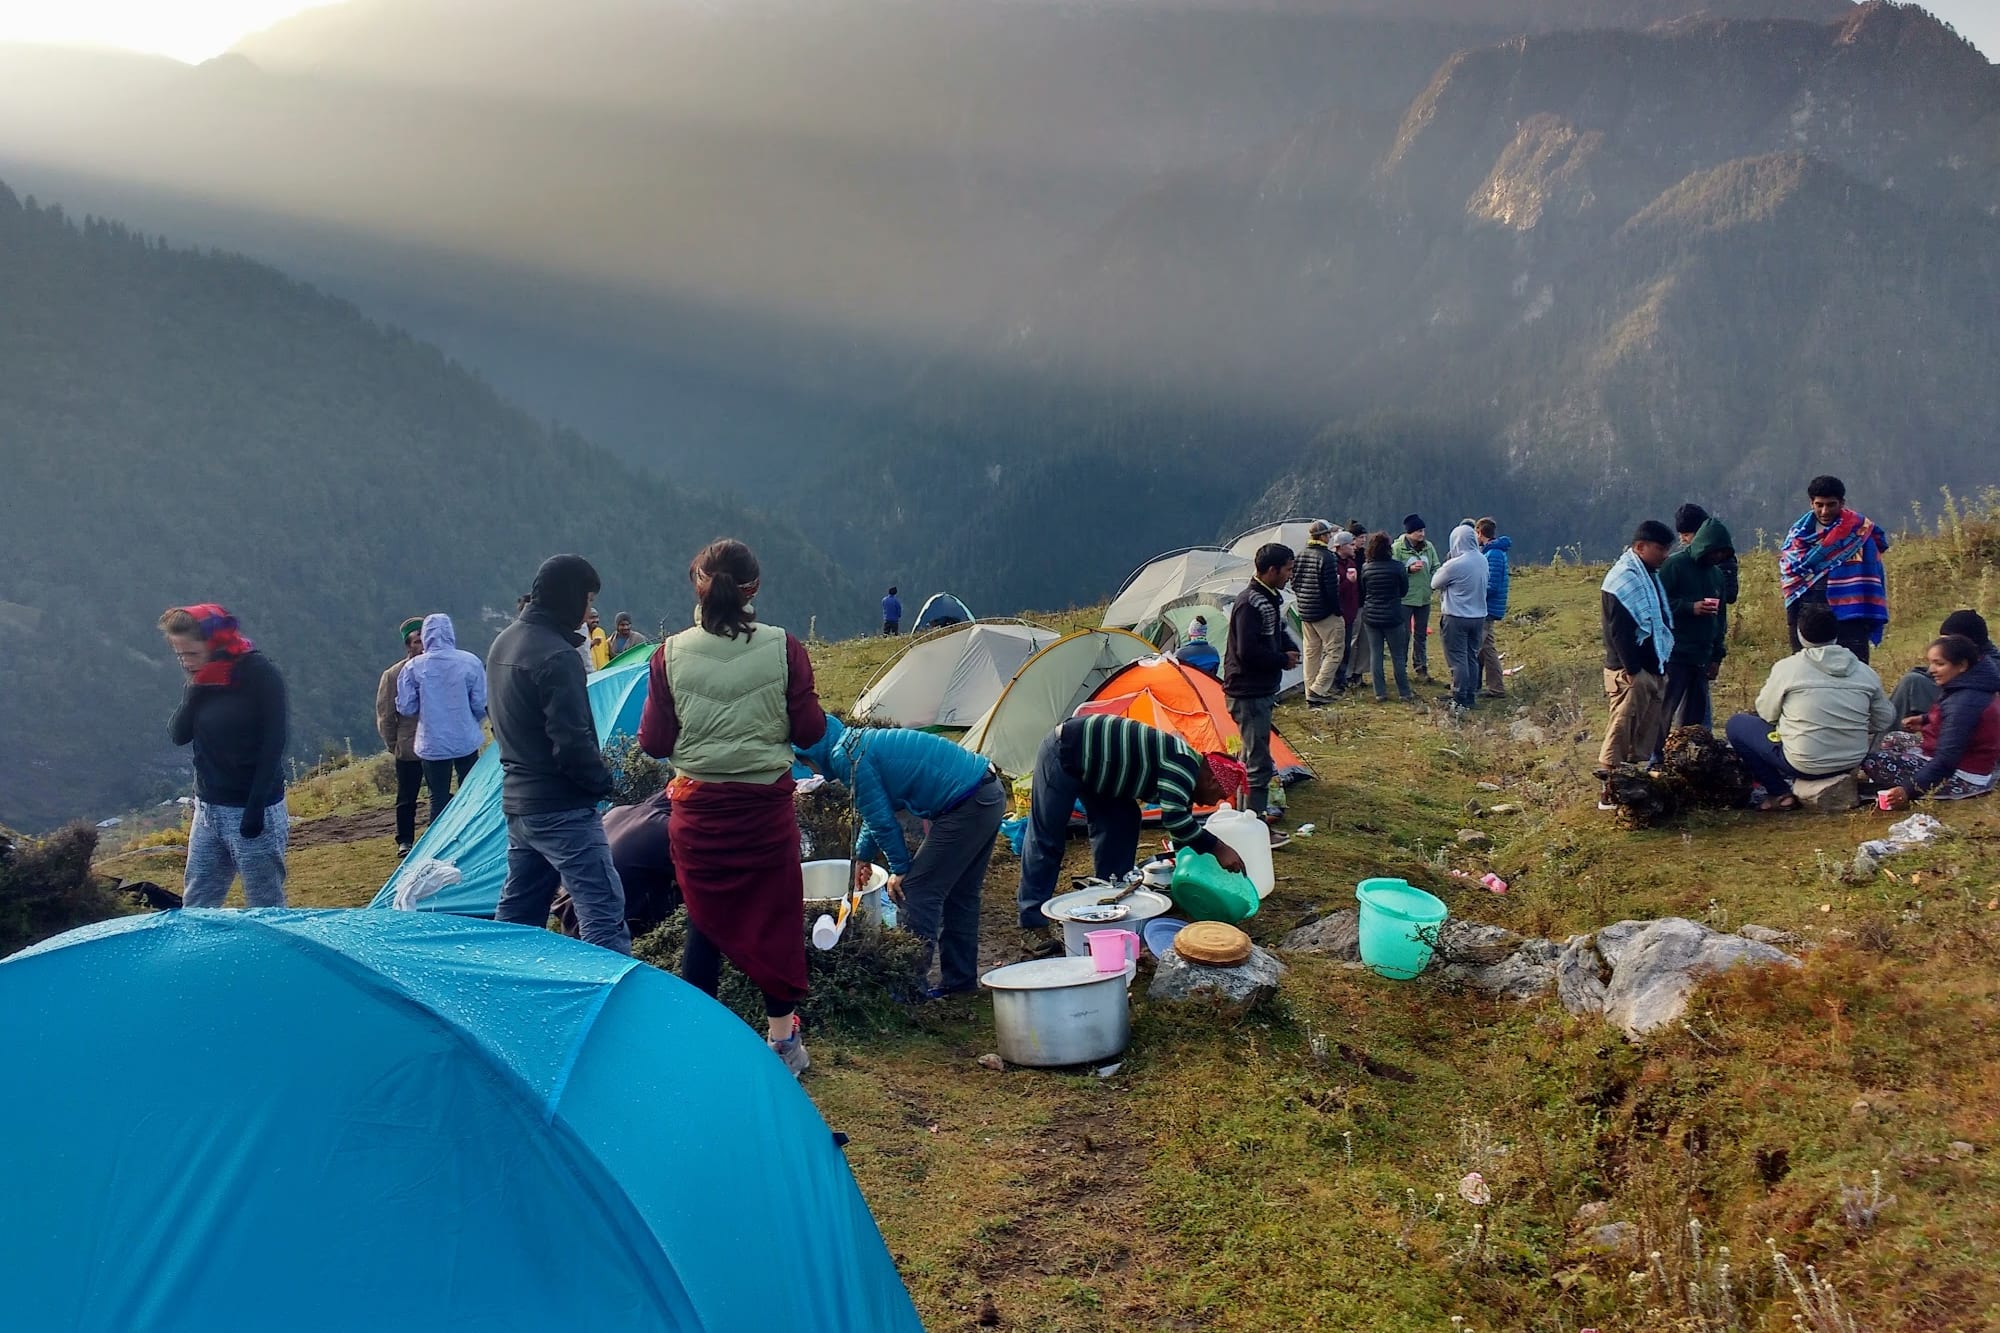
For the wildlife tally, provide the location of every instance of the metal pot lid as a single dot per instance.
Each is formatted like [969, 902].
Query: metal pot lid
[1098, 913]
[1142, 905]
[1048, 974]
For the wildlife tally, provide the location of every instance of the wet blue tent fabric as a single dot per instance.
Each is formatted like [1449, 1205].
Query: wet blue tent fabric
[472, 833]
[342, 1120]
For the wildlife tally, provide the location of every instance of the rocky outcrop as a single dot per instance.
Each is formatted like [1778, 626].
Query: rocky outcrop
[1237, 989]
[1336, 935]
[1649, 987]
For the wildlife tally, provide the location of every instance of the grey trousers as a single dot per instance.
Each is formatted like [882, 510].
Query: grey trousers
[1253, 719]
[942, 887]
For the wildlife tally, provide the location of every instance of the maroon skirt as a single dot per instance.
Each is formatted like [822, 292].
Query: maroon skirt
[735, 847]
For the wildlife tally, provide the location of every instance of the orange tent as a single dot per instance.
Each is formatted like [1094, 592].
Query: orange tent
[1164, 693]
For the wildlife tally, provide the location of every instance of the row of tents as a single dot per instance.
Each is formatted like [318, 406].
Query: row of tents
[996, 686]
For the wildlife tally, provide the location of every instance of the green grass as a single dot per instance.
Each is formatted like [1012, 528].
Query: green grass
[1230, 1177]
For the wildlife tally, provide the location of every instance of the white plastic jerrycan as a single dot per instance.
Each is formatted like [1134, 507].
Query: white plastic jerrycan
[1250, 838]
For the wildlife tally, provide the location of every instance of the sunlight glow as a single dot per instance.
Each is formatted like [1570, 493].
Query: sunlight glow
[190, 30]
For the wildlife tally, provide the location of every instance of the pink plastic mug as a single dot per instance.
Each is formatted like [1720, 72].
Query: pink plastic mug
[1882, 801]
[1111, 950]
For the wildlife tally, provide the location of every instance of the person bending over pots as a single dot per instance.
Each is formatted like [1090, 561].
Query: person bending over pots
[1115, 766]
[959, 796]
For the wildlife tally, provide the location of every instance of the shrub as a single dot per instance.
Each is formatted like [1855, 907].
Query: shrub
[46, 887]
[861, 985]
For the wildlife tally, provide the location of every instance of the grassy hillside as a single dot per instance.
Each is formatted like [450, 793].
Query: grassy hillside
[1298, 1169]
[185, 427]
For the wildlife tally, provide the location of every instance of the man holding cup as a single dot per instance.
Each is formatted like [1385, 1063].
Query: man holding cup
[1697, 585]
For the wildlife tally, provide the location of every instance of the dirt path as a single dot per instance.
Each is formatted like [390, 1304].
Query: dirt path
[331, 829]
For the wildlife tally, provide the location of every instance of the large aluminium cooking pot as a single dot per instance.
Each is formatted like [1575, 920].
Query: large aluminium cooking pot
[1060, 1011]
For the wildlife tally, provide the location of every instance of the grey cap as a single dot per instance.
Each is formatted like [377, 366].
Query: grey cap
[1320, 527]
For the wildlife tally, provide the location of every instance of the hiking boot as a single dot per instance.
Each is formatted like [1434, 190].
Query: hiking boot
[792, 1050]
[1040, 942]
[1606, 799]
[1493, 694]
[1312, 702]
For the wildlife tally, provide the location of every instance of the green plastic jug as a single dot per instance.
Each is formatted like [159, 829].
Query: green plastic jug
[1204, 891]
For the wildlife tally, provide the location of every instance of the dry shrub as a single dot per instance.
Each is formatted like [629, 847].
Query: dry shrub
[46, 886]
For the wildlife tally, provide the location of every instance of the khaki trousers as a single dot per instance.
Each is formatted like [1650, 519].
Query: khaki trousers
[1325, 639]
[1638, 707]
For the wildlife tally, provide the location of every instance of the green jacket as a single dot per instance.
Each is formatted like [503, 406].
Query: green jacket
[1699, 640]
[1420, 579]
[729, 695]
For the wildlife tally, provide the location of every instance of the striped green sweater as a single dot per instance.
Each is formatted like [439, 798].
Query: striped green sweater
[1120, 757]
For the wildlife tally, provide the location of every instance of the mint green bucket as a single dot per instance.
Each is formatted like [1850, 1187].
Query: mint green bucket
[1397, 925]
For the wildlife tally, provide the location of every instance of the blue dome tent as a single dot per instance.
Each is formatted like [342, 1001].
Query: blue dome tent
[940, 610]
[401, 1121]
[472, 832]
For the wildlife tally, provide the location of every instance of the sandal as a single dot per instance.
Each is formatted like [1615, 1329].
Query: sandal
[1778, 805]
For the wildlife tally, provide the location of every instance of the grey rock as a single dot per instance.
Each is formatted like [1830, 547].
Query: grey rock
[1525, 732]
[1613, 940]
[1337, 935]
[1486, 786]
[1526, 973]
[1657, 968]
[1959, 1150]
[1236, 989]
[1594, 1211]
[1777, 939]
[1618, 1237]
[1505, 808]
[1579, 977]
[1475, 839]
[1828, 796]
[1475, 945]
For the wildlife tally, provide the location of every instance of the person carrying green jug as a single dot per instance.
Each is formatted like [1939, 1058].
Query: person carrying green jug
[1115, 767]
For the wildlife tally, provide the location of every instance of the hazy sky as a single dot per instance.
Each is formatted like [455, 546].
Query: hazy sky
[194, 30]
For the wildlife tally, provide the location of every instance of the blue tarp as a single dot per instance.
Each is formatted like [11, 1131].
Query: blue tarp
[472, 834]
[356, 1120]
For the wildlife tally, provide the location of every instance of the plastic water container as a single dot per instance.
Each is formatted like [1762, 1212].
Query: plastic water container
[1395, 920]
[1204, 891]
[1250, 838]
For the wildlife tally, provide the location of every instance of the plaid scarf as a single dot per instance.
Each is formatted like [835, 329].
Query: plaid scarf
[226, 644]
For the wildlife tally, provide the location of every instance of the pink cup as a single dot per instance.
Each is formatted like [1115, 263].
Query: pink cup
[1111, 950]
[1882, 801]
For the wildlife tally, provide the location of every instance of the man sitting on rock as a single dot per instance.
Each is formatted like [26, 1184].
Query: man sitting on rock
[1819, 714]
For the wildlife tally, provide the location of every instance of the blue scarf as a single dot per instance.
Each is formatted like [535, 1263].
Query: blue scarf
[1638, 590]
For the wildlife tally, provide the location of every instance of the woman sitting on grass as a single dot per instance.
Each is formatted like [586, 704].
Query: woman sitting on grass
[1949, 754]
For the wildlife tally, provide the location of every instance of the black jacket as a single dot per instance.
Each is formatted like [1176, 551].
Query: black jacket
[1253, 667]
[238, 734]
[540, 709]
[1384, 584]
[1623, 649]
[1315, 582]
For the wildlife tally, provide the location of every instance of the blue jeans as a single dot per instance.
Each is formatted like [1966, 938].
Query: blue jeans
[218, 852]
[1114, 830]
[941, 889]
[1750, 736]
[1462, 637]
[567, 849]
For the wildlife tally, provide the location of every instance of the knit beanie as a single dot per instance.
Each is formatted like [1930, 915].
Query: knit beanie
[1413, 523]
[1968, 624]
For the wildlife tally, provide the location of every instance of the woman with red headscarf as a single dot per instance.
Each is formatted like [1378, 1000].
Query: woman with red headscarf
[233, 714]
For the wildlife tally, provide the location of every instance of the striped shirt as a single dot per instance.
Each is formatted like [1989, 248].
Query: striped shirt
[1118, 757]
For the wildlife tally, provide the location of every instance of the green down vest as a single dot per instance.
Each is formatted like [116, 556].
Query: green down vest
[729, 695]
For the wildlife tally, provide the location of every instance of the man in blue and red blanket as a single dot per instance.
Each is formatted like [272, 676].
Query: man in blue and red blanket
[1833, 556]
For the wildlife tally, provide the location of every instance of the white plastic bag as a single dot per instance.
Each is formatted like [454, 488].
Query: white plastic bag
[1904, 834]
[420, 879]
